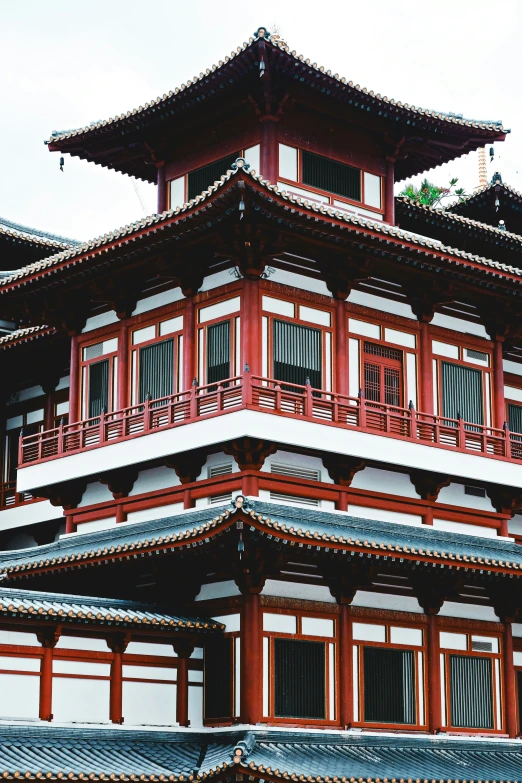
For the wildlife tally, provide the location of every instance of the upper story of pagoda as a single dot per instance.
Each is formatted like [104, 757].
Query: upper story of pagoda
[313, 133]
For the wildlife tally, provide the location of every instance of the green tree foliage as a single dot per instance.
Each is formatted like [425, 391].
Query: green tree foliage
[432, 195]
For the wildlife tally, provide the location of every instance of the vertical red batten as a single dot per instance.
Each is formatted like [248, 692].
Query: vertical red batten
[123, 400]
[46, 683]
[269, 158]
[346, 667]
[389, 197]
[509, 680]
[499, 405]
[341, 350]
[251, 327]
[426, 401]
[162, 189]
[74, 382]
[189, 344]
[434, 696]
[250, 665]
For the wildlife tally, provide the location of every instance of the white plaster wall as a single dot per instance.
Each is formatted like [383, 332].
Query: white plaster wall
[195, 706]
[459, 325]
[300, 281]
[159, 512]
[81, 701]
[267, 496]
[468, 611]
[97, 321]
[81, 643]
[20, 696]
[150, 648]
[158, 300]
[218, 458]
[30, 514]
[282, 589]
[149, 704]
[96, 492]
[454, 495]
[383, 515]
[384, 481]
[153, 479]
[218, 279]
[397, 603]
[460, 527]
[298, 461]
[96, 524]
[218, 590]
[513, 367]
[19, 637]
[381, 303]
[515, 525]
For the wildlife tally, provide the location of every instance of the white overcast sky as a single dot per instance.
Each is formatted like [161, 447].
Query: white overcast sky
[65, 65]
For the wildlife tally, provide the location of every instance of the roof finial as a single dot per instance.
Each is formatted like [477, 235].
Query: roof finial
[483, 176]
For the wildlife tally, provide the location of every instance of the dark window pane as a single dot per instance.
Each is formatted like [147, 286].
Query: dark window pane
[462, 393]
[519, 689]
[326, 174]
[218, 352]
[515, 417]
[218, 678]
[297, 354]
[156, 372]
[299, 671]
[392, 386]
[471, 692]
[98, 388]
[389, 685]
[372, 382]
[200, 179]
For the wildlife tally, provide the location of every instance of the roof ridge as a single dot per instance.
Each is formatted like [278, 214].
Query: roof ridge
[9, 228]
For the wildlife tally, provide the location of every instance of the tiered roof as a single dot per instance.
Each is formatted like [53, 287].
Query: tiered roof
[493, 203]
[20, 245]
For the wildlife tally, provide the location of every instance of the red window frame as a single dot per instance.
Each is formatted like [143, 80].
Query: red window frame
[134, 351]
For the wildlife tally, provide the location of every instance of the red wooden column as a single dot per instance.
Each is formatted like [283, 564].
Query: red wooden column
[251, 670]
[74, 381]
[389, 197]
[346, 666]
[189, 344]
[499, 404]
[49, 411]
[425, 394]
[162, 190]
[433, 665]
[183, 649]
[123, 400]
[269, 153]
[509, 680]
[251, 326]
[118, 644]
[341, 350]
[48, 637]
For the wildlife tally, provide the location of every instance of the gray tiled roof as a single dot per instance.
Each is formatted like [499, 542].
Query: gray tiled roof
[57, 752]
[99, 611]
[24, 335]
[34, 235]
[119, 237]
[327, 530]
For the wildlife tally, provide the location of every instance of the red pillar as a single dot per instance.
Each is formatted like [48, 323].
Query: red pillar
[123, 400]
[389, 198]
[425, 391]
[48, 638]
[342, 501]
[341, 349]
[49, 411]
[251, 674]
[433, 665]
[269, 157]
[189, 344]
[162, 190]
[117, 644]
[346, 667]
[250, 485]
[251, 327]
[74, 382]
[499, 405]
[509, 679]
[183, 649]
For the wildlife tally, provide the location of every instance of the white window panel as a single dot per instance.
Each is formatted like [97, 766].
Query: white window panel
[177, 192]
[411, 378]
[110, 346]
[253, 157]
[219, 309]
[320, 317]
[517, 658]
[62, 408]
[369, 632]
[353, 368]
[19, 664]
[14, 422]
[81, 667]
[512, 393]
[406, 339]
[331, 680]
[372, 190]
[484, 644]
[149, 704]
[264, 346]
[435, 388]
[442, 689]
[150, 673]
[288, 162]
[20, 696]
[453, 641]
[420, 687]
[81, 643]
[411, 636]
[317, 626]
[476, 357]
[171, 325]
[150, 648]
[33, 417]
[143, 335]
[278, 306]
[19, 637]
[355, 677]
[85, 701]
[194, 675]
[195, 707]
[328, 361]
[363, 327]
[232, 622]
[266, 677]
[498, 691]
[237, 676]
[445, 349]
[279, 623]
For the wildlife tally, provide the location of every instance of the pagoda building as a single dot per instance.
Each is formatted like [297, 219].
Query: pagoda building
[261, 511]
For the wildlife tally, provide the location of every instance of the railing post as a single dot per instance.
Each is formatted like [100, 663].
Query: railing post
[308, 409]
[362, 410]
[219, 397]
[146, 413]
[277, 397]
[507, 440]
[247, 387]
[194, 399]
[461, 432]
[102, 425]
[413, 420]
[60, 446]
[21, 449]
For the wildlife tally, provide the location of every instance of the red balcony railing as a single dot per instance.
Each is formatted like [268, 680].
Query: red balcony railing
[10, 497]
[271, 396]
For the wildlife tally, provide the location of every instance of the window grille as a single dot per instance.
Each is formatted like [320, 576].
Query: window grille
[515, 417]
[217, 500]
[218, 678]
[297, 353]
[462, 393]
[98, 388]
[93, 351]
[479, 645]
[220, 470]
[389, 686]
[156, 374]
[200, 179]
[471, 692]
[382, 384]
[218, 352]
[295, 499]
[330, 175]
[479, 356]
[296, 471]
[299, 678]
[382, 350]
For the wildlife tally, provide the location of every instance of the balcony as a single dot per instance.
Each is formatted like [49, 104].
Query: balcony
[401, 436]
